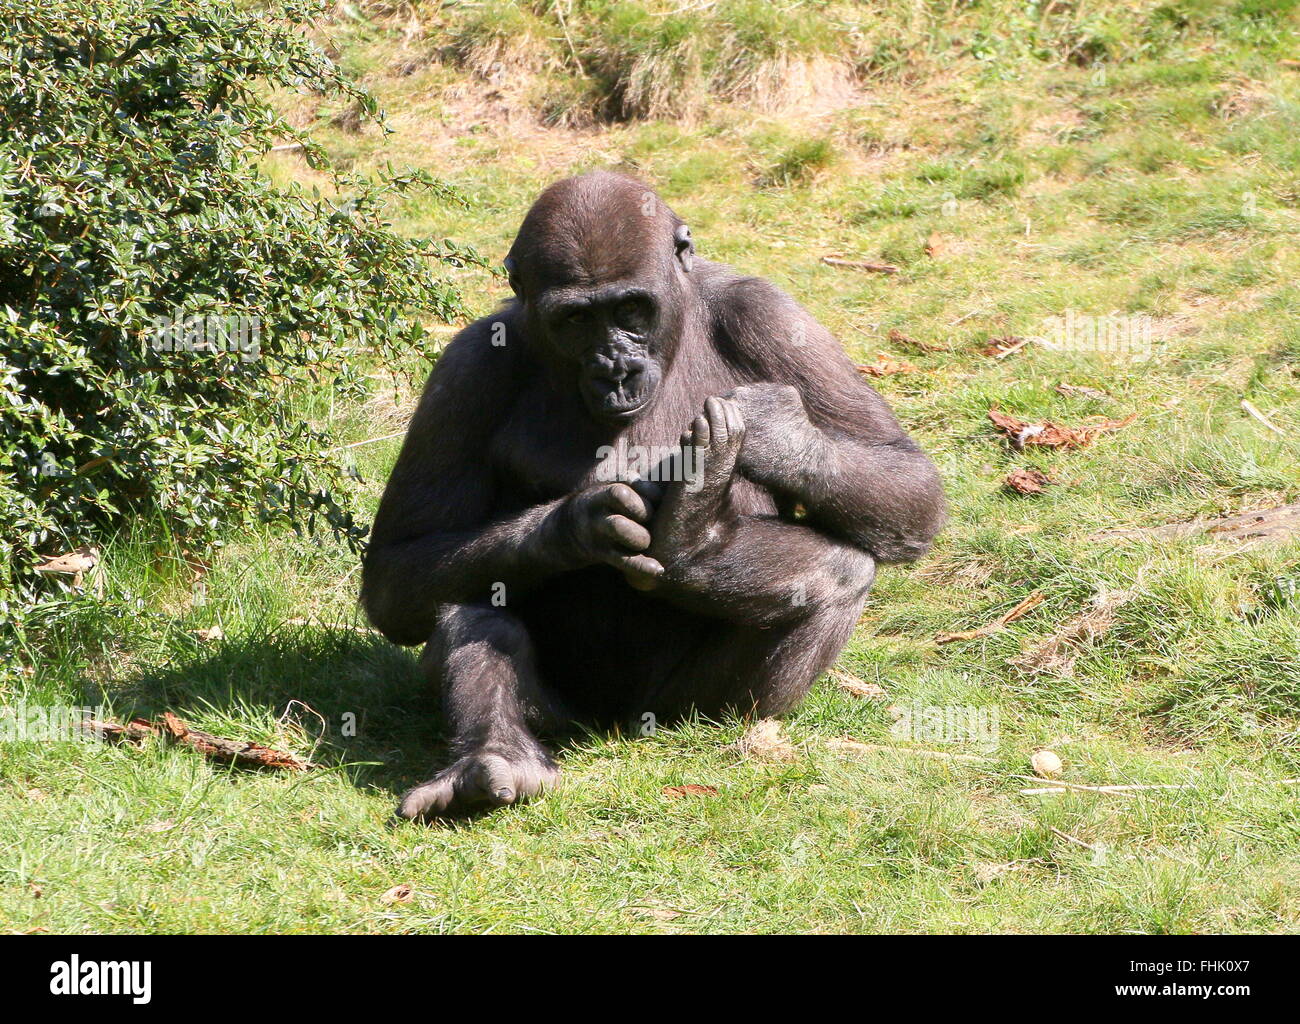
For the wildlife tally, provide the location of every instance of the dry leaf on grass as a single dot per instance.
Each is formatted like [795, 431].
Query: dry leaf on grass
[764, 741]
[1028, 481]
[1052, 435]
[210, 634]
[72, 563]
[398, 894]
[986, 871]
[857, 687]
[82, 560]
[934, 245]
[999, 348]
[1059, 652]
[690, 789]
[1020, 610]
[885, 366]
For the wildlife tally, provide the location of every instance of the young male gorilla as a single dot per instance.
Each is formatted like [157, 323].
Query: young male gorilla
[546, 592]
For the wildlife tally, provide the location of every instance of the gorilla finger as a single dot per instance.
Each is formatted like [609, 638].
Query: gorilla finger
[624, 531]
[625, 499]
[717, 413]
[700, 435]
[641, 571]
[735, 421]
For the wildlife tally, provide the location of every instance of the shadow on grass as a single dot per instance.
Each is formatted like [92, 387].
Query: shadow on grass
[380, 714]
[381, 718]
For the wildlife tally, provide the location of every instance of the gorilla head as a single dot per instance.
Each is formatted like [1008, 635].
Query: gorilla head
[600, 265]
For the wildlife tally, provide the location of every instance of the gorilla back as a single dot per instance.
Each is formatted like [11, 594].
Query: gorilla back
[648, 485]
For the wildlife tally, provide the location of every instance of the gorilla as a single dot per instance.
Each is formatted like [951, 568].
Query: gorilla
[566, 553]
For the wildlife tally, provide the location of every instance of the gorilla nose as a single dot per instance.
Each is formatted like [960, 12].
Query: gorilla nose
[621, 370]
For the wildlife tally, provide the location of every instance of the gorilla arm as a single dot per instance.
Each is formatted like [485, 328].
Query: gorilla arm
[435, 540]
[819, 435]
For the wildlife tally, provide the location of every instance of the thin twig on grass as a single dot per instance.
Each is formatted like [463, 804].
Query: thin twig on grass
[1057, 787]
[1023, 608]
[869, 265]
[1261, 417]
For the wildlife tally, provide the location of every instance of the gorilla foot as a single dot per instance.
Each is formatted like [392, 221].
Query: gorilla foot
[690, 508]
[488, 778]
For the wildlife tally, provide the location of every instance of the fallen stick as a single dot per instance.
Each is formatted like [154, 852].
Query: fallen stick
[869, 265]
[1073, 839]
[363, 630]
[1014, 348]
[1023, 608]
[854, 747]
[1261, 417]
[369, 440]
[239, 752]
[135, 731]
[243, 753]
[1067, 787]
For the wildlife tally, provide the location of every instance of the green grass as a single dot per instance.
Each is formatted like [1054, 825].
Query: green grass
[1165, 187]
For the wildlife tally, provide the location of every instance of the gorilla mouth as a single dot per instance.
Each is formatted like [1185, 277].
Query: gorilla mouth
[618, 401]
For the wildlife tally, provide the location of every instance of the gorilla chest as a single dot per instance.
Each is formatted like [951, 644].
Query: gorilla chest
[542, 452]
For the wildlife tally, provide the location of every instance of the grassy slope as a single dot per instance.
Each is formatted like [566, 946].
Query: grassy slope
[1165, 186]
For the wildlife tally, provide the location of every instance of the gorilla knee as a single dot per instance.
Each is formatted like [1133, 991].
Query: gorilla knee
[843, 580]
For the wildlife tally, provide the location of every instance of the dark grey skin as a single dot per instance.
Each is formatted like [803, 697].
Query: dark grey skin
[545, 593]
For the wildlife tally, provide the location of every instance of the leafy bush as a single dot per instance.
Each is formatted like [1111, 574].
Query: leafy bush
[162, 304]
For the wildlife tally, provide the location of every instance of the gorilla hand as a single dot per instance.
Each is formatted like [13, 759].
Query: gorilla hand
[780, 438]
[689, 515]
[607, 524]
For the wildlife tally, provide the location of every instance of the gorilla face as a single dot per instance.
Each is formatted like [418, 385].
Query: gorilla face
[601, 266]
[611, 337]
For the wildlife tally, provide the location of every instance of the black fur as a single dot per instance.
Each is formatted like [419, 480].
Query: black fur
[547, 593]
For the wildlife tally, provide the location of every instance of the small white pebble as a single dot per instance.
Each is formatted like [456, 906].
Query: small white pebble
[1046, 763]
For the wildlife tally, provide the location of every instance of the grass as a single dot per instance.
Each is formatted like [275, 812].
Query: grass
[1127, 158]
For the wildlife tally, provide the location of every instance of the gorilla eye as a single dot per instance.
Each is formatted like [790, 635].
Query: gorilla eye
[631, 313]
[578, 316]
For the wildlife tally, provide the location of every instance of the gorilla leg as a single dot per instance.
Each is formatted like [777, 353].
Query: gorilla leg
[767, 670]
[481, 661]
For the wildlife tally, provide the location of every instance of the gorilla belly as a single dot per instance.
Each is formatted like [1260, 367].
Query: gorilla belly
[600, 644]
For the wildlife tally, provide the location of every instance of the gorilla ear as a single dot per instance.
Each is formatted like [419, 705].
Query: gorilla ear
[684, 246]
[512, 274]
